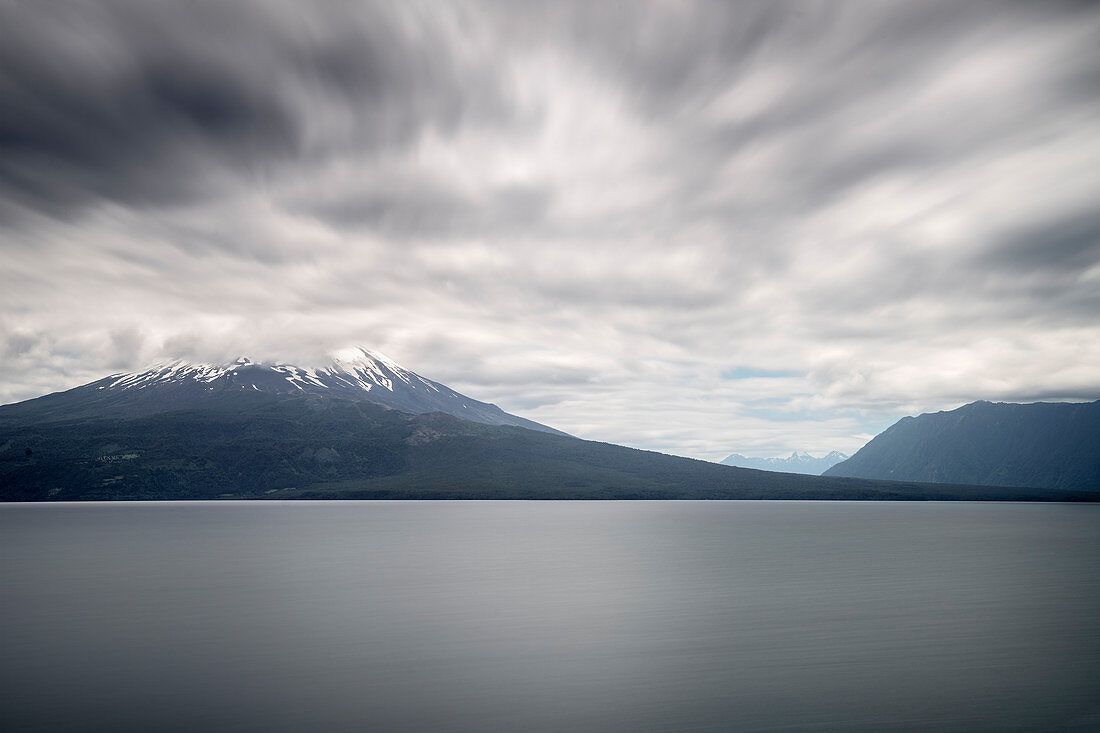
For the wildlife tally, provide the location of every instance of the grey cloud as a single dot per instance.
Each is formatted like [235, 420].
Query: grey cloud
[665, 54]
[1068, 394]
[1068, 243]
[676, 54]
[20, 343]
[1026, 273]
[849, 64]
[579, 209]
[512, 374]
[125, 347]
[97, 106]
[425, 209]
[144, 104]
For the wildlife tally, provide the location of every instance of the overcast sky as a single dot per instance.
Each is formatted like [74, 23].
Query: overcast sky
[694, 228]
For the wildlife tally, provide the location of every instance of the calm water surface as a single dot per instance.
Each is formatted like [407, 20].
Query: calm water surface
[547, 616]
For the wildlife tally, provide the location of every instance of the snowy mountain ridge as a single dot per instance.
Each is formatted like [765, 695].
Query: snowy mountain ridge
[356, 374]
[798, 462]
[356, 368]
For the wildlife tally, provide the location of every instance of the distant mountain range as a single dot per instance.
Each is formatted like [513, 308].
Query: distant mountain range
[1053, 445]
[796, 462]
[361, 428]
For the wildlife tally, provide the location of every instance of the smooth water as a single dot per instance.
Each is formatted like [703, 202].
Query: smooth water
[540, 616]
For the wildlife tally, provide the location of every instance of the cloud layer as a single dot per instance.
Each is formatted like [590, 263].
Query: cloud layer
[697, 228]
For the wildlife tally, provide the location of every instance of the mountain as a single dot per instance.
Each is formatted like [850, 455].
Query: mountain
[796, 462]
[364, 428]
[355, 374]
[255, 445]
[1052, 445]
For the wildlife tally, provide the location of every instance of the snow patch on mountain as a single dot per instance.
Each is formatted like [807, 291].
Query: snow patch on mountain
[354, 373]
[357, 368]
[797, 462]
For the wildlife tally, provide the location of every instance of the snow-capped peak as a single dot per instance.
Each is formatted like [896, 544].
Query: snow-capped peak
[798, 462]
[352, 368]
[170, 371]
[356, 356]
[355, 374]
[367, 367]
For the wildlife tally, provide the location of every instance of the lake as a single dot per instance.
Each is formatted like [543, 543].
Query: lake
[549, 616]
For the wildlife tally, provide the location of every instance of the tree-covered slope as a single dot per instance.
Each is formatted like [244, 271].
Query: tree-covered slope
[1045, 445]
[256, 445]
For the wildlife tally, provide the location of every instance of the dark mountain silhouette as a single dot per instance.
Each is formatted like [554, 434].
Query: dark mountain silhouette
[276, 431]
[1054, 445]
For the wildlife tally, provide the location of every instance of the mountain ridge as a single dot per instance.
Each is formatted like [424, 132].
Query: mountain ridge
[242, 430]
[798, 462]
[254, 445]
[357, 374]
[1042, 444]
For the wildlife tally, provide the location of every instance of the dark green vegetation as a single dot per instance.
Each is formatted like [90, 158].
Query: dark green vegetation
[1053, 445]
[256, 445]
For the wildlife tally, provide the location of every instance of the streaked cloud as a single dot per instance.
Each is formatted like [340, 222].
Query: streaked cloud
[692, 227]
